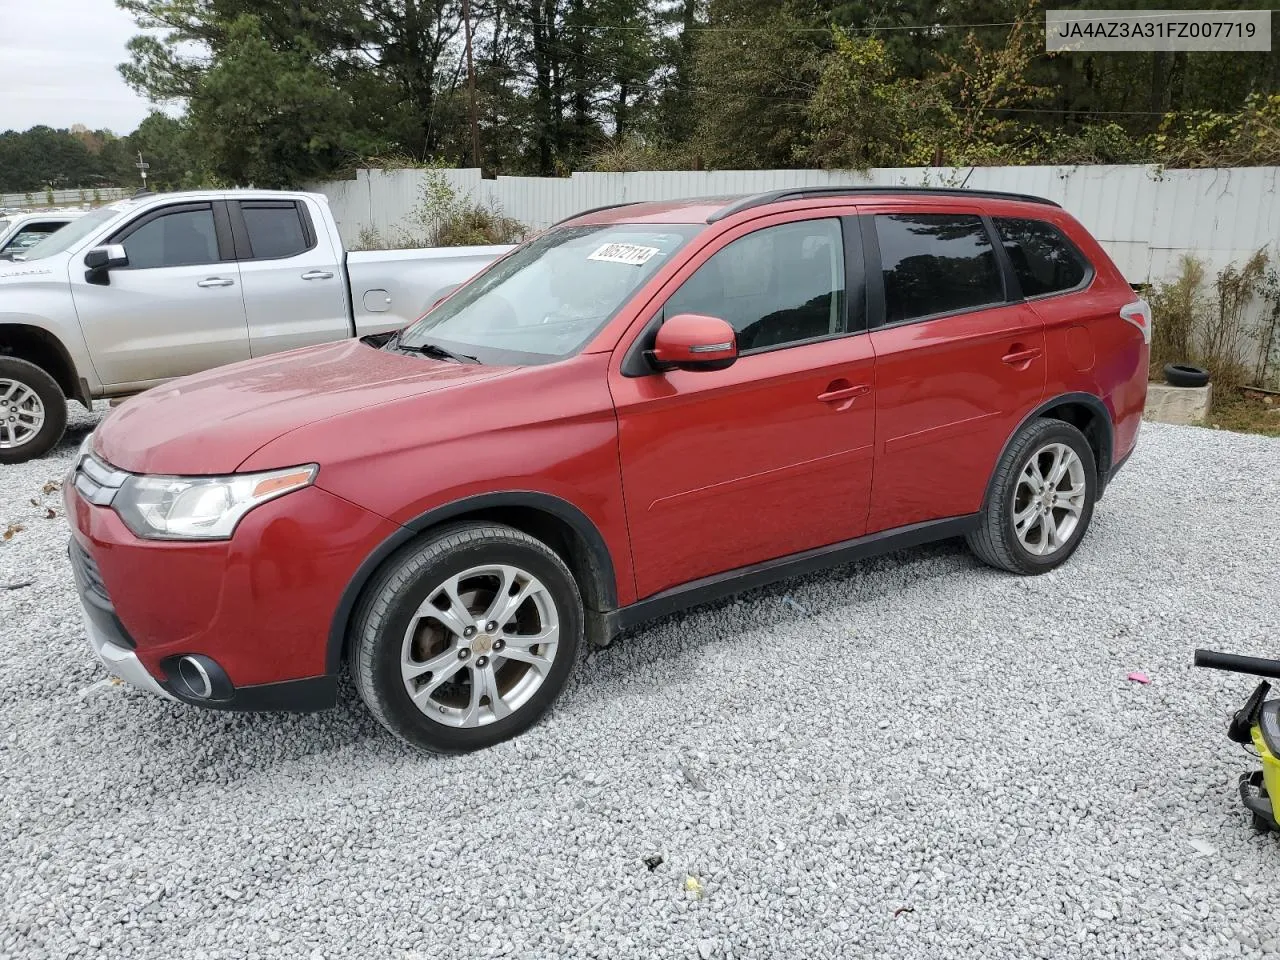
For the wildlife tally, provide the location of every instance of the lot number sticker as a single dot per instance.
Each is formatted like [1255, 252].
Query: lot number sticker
[624, 253]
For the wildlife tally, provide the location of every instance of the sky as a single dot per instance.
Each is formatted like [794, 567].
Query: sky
[58, 65]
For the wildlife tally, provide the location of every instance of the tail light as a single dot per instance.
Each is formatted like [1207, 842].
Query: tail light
[1139, 314]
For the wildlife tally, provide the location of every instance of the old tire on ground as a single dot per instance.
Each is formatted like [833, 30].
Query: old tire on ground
[1040, 501]
[33, 411]
[466, 637]
[1185, 375]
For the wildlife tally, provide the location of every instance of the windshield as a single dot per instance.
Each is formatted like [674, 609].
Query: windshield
[548, 298]
[71, 234]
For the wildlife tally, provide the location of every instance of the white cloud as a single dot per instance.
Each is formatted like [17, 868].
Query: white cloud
[58, 65]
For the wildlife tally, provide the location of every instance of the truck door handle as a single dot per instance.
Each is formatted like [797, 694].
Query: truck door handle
[317, 275]
[1016, 357]
[844, 393]
[215, 282]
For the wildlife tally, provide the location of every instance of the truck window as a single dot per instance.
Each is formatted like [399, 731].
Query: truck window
[275, 230]
[178, 239]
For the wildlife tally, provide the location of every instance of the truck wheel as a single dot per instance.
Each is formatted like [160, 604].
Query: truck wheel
[1041, 500]
[33, 411]
[467, 637]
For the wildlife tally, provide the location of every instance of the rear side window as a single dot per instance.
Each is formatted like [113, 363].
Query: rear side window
[275, 230]
[1043, 259]
[936, 263]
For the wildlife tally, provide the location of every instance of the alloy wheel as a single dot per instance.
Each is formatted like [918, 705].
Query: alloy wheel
[480, 645]
[21, 414]
[1049, 499]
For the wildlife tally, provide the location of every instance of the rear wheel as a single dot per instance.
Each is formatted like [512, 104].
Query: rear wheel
[1041, 500]
[33, 412]
[467, 638]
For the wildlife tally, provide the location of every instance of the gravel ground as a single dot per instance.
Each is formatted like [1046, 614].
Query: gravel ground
[915, 757]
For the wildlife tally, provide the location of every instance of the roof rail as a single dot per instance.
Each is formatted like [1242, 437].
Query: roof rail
[583, 213]
[807, 193]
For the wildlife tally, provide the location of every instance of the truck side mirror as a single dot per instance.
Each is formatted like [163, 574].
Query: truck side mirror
[100, 260]
[105, 258]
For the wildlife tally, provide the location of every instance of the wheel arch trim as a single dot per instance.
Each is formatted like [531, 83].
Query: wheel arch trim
[545, 503]
[1103, 416]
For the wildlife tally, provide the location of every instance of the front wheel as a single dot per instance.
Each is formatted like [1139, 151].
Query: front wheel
[1041, 500]
[33, 412]
[467, 637]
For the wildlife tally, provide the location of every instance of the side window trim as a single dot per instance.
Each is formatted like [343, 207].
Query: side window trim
[240, 229]
[1008, 278]
[225, 251]
[876, 308]
[1090, 272]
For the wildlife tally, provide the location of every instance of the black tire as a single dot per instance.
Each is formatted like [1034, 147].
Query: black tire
[51, 399]
[408, 579]
[1185, 375]
[996, 542]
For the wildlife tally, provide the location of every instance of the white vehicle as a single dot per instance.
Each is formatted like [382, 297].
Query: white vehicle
[160, 286]
[19, 232]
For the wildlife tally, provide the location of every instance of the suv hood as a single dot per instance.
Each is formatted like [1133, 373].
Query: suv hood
[212, 422]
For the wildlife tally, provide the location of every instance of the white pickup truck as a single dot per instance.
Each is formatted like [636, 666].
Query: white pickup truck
[160, 286]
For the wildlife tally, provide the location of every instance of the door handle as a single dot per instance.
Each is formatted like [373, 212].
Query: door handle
[215, 282]
[844, 393]
[317, 275]
[1021, 356]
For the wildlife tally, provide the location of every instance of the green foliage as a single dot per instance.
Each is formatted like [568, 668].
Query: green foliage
[445, 217]
[268, 117]
[1210, 325]
[277, 92]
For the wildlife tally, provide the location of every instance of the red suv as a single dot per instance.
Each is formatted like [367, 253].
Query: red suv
[648, 406]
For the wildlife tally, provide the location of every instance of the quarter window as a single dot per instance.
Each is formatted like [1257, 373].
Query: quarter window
[936, 263]
[777, 286]
[1044, 261]
[179, 239]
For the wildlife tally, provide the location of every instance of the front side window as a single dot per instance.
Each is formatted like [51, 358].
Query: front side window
[1044, 261]
[548, 298]
[936, 263]
[275, 230]
[179, 239]
[777, 286]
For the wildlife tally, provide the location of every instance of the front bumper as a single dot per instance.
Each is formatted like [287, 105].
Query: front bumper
[122, 662]
[258, 607]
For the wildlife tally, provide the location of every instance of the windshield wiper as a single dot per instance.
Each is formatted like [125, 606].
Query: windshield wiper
[432, 350]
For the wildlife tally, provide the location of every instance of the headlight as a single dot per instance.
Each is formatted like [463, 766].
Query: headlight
[201, 508]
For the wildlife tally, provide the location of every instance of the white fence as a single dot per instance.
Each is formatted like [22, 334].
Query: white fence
[40, 199]
[1145, 217]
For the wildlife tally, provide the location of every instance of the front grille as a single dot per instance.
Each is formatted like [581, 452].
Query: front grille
[92, 575]
[97, 603]
[97, 482]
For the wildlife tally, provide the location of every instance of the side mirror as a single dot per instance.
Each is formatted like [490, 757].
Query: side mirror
[691, 341]
[105, 258]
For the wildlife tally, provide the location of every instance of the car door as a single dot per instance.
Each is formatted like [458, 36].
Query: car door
[294, 292]
[959, 361]
[771, 455]
[176, 308]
